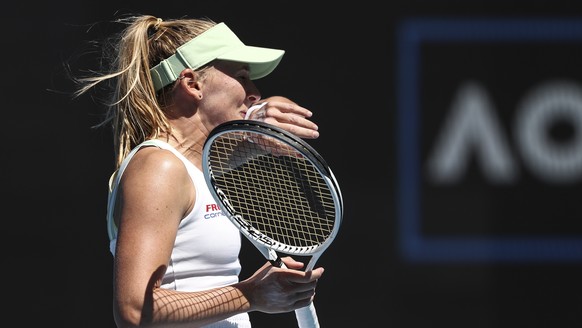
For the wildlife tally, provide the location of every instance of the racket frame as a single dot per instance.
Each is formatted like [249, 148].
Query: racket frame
[268, 246]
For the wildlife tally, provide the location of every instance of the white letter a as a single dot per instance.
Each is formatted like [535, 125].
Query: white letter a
[471, 127]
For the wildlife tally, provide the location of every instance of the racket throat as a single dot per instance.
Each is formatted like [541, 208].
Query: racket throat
[270, 254]
[275, 258]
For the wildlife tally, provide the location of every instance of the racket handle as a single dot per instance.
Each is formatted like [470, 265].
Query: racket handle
[307, 317]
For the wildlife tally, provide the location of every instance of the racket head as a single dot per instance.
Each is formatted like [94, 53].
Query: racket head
[273, 186]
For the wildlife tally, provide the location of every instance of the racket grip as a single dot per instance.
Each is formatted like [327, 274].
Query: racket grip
[307, 317]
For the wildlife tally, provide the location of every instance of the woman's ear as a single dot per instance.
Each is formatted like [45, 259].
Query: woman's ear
[189, 81]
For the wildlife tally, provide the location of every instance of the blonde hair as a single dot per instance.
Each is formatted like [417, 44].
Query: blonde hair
[134, 109]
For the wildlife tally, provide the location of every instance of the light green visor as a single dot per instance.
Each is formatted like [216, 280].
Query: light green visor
[218, 42]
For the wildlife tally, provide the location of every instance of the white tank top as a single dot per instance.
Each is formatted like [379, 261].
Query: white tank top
[207, 245]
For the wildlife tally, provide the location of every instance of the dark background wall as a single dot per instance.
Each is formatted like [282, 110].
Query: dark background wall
[489, 236]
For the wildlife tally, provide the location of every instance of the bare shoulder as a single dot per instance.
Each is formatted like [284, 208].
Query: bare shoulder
[156, 178]
[155, 167]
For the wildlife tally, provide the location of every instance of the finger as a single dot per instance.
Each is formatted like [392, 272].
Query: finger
[302, 132]
[291, 263]
[301, 277]
[288, 107]
[275, 116]
[308, 287]
[292, 122]
[304, 299]
[293, 119]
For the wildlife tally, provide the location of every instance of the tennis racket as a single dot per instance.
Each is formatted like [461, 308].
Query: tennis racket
[277, 190]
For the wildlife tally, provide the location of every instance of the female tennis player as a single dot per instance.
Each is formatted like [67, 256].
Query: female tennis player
[175, 253]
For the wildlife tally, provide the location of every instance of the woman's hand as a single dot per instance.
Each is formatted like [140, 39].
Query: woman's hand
[275, 290]
[286, 114]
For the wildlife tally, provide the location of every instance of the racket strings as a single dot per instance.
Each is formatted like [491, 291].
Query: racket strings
[282, 196]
